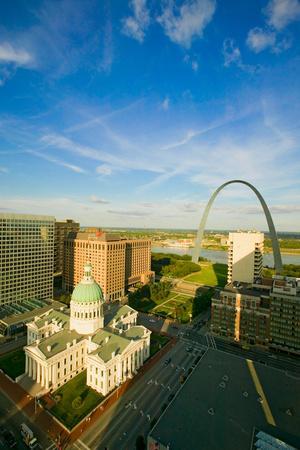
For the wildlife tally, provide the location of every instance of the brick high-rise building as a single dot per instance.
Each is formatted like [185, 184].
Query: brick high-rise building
[26, 257]
[241, 312]
[117, 263]
[62, 229]
[285, 314]
[245, 256]
[266, 313]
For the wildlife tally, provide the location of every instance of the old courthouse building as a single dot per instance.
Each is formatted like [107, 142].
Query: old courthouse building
[111, 348]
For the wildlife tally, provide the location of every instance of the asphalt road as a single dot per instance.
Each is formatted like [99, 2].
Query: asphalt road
[282, 362]
[133, 414]
[11, 419]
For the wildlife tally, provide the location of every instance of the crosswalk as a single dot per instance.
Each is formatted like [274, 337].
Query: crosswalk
[195, 344]
[211, 343]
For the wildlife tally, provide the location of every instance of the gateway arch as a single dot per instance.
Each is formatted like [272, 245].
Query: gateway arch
[275, 244]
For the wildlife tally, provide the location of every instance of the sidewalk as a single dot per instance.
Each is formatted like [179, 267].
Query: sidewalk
[25, 402]
[94, 416]
[43, 420]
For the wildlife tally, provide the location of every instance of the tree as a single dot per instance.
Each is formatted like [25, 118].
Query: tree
[140, 443]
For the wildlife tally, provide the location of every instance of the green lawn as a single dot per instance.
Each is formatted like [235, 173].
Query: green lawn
[157, 342]
[74, 401]
[211, 274]
[13, 363]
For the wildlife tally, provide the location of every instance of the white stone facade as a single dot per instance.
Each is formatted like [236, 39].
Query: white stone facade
[86, 318]
[111, 355]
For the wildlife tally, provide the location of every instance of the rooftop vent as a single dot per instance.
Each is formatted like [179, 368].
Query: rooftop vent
[48, 348]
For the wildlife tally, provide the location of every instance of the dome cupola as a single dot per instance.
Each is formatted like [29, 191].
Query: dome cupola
[87, 304]
[87, 290]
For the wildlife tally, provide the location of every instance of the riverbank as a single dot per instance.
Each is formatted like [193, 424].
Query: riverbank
[267, 250]
[220, 256]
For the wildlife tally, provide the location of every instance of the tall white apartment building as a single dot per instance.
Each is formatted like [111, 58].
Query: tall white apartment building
[26, 257]
[245, 256]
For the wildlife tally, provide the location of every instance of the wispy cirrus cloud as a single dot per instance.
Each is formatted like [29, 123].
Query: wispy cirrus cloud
[56, 161]
[232, 57]
[10, 54]
[11, 58]
[135, 26]
[133, 213]
[185, 23]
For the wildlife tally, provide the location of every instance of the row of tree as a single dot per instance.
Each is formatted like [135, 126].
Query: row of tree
[173, 265]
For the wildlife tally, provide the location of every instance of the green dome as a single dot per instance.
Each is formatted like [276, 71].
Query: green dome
[87, 293]
[87, 290]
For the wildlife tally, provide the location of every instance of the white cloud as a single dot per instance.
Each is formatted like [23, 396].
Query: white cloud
[259, 39]
[187, 23]
[3, 169]
[104, 170]
[12, 55]
[165, 104]
[136, 25]
[282, 12]
[99, 200]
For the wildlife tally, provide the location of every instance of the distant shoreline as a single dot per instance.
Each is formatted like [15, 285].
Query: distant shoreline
[295, 251]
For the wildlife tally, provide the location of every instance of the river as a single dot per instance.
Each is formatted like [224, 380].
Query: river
[221, 256]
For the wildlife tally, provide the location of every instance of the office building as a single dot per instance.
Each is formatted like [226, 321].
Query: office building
[62, 229]
[111, 349]
[117, 263]
[245, 256]
[26, 257]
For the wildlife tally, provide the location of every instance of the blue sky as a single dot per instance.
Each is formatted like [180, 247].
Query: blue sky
[120, 113]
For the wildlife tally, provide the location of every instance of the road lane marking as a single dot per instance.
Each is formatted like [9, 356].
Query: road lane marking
[109, 429]
[83, 444]
[53, 445]
[260, 391]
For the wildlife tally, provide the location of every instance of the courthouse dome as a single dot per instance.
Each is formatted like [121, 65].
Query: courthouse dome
[87, 290]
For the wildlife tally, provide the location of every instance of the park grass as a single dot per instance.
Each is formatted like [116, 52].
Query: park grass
[66, 409]
[157, 341]
[211, 274]
[13, 363]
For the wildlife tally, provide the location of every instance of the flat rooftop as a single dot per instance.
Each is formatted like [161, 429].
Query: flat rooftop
[209, 416]
[24, 311]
